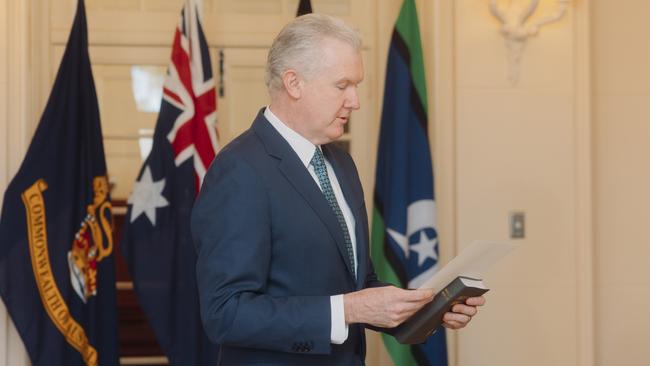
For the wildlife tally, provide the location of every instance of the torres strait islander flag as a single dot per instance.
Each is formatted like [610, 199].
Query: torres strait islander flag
[404, 236]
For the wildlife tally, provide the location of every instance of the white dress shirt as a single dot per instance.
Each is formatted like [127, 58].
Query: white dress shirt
[305, 150]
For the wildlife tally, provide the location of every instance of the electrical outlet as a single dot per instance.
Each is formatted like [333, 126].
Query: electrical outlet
[517, 225]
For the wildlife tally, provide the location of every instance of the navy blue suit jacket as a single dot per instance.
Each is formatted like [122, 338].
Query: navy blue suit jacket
[271, 253]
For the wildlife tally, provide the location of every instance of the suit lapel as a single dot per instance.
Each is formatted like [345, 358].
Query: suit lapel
[294, 170]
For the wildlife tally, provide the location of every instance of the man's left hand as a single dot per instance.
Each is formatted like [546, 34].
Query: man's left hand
[461, 314]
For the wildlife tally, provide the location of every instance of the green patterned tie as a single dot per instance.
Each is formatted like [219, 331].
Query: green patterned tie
[318, 162]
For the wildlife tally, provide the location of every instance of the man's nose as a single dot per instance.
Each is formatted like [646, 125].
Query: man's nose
[352, 99]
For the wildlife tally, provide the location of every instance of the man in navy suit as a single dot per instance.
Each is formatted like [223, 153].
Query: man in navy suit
[280, 224]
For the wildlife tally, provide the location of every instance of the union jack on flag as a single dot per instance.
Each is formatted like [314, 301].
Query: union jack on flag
[157, 242]
[189, 86]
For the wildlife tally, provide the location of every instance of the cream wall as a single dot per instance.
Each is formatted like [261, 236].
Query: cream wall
[621, 100]
[526, 147]
[566, 145]
[521, 148]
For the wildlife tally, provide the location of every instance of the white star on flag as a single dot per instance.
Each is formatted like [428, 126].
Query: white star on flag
[425, 248]
[401, 240]
[420, 217]
[147, 196]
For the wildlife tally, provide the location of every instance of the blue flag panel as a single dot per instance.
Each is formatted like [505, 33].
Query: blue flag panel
[405, 247]
[56, 263]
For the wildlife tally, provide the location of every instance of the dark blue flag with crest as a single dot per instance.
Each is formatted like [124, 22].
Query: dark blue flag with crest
[404, 234]
[57, 273]
[157, 242]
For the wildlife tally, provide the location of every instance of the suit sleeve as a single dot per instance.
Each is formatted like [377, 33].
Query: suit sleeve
[231, 228]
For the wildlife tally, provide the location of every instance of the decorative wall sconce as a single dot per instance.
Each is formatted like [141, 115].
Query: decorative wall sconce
[516, 29]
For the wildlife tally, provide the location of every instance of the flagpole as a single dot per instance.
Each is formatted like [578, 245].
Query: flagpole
[443, 102]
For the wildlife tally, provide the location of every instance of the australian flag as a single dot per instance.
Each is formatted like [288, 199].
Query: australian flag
[157, 242]
[404, 236]
[57, 274]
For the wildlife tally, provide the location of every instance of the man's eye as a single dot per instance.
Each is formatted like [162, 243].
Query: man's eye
[341, 86]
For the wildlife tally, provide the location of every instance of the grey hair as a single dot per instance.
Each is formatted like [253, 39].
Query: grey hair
[298, 46]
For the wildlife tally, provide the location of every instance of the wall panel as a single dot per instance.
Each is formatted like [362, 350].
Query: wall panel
[515, 150]
[621, 82]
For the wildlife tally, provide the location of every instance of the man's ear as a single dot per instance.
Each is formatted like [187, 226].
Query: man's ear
[292, 83]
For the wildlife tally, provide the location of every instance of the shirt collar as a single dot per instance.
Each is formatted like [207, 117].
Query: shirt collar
[303, 147]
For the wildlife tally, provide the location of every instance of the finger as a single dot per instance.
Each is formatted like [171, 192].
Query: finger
[464, 309]
[475, 301]
[452, 325]
[460, 318]
[419, 295]
[409, 308]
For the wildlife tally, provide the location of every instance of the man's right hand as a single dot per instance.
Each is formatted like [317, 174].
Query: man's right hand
[385, 307]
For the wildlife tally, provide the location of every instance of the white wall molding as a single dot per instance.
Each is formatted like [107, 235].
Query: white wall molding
[4, 92]
[16, 32]
[24, 77]
[440, 71]
[584, 184]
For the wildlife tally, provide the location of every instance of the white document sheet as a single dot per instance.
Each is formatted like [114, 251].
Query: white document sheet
[472, 262]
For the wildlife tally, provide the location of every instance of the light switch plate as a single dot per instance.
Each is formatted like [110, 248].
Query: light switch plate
[517, 225]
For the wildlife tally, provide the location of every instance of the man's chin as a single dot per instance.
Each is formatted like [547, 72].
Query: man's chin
[336, 135]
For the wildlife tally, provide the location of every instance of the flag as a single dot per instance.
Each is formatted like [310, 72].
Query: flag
[304, 7]
[157, 243]
[57, 273]
[404, 234]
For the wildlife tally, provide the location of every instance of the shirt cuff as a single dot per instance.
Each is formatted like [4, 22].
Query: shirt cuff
[339, 332]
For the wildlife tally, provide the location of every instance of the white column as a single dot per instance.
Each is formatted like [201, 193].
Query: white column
[14, 128]
[3, 153]
[584, 185]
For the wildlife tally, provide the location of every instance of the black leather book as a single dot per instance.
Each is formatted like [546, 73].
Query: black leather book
[422, 324]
